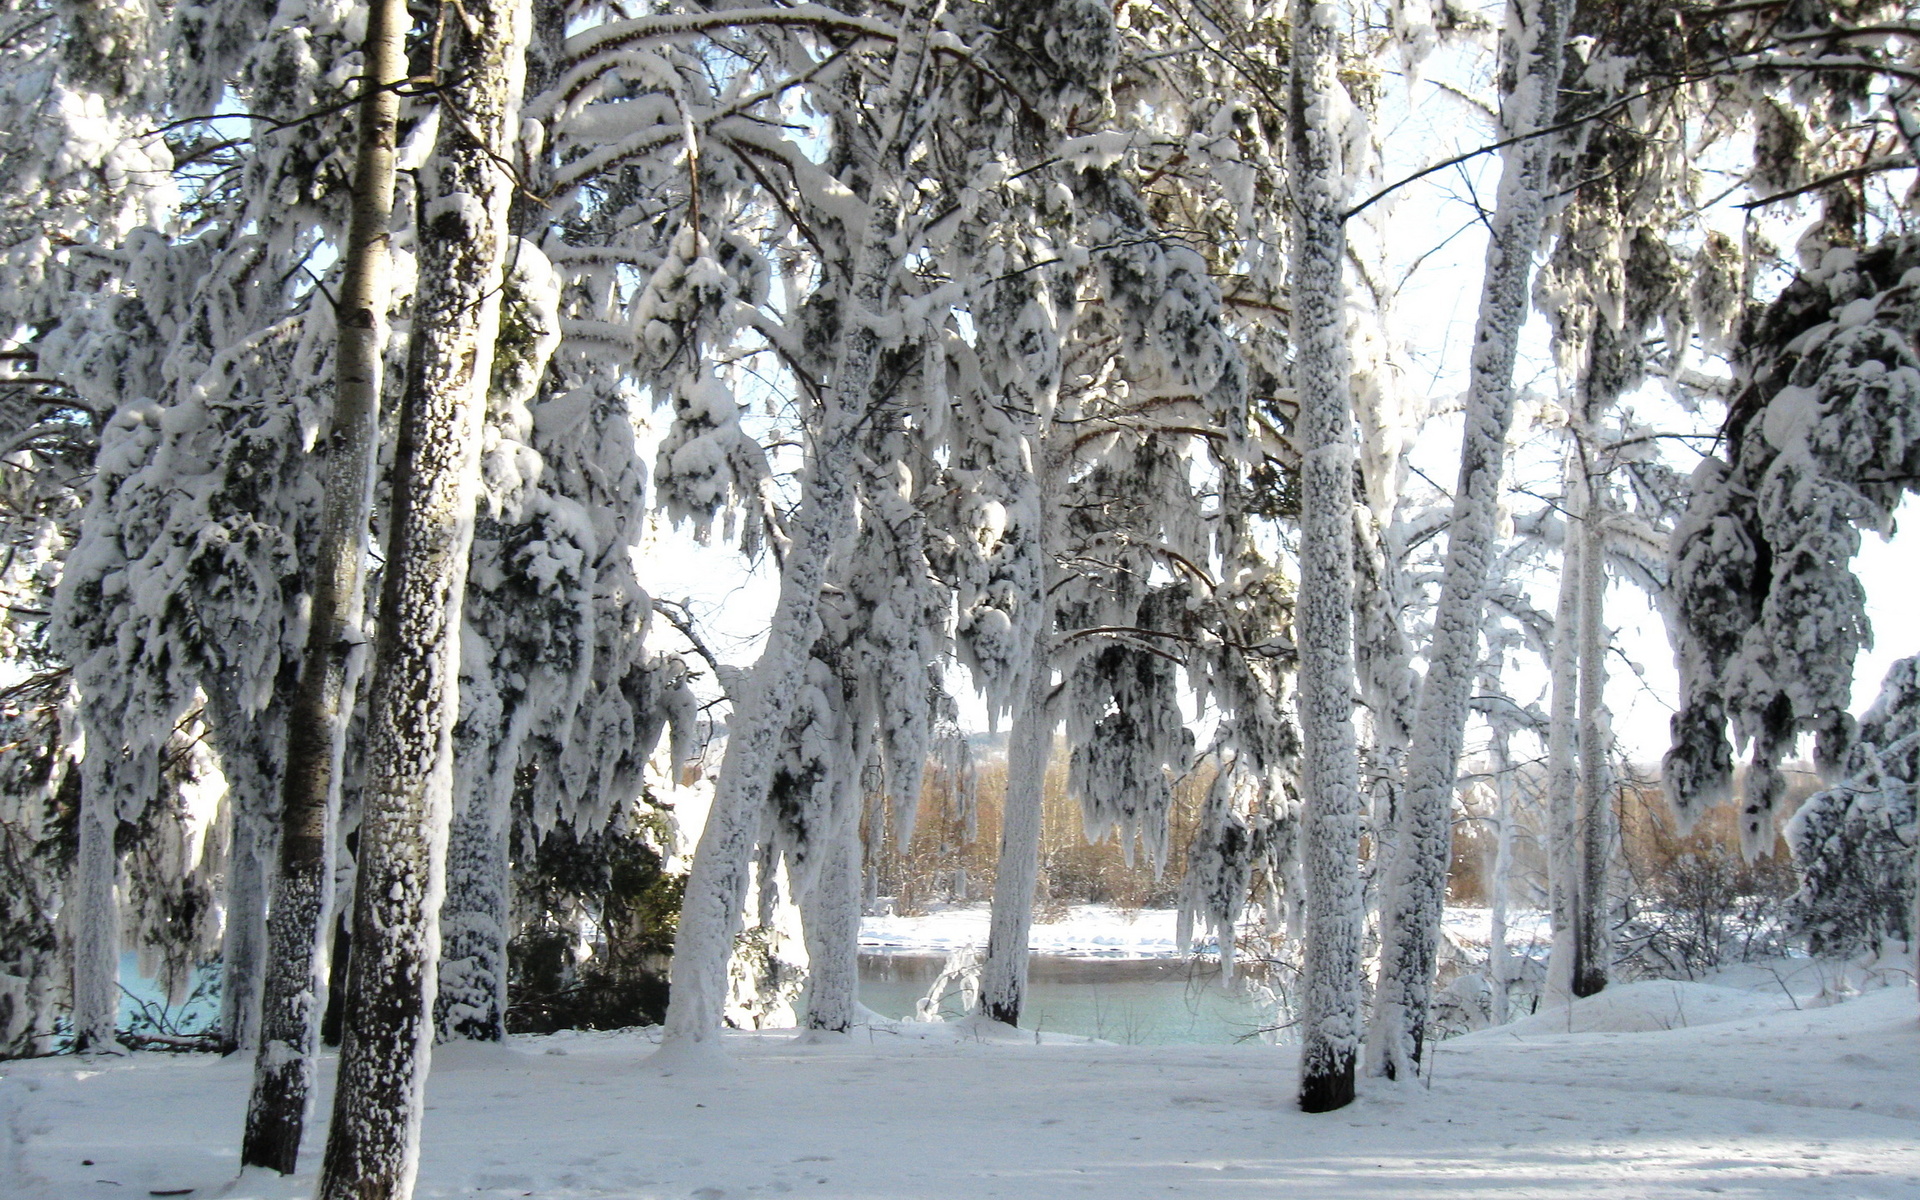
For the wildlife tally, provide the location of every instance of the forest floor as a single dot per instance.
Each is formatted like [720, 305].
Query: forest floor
[1677, 1089]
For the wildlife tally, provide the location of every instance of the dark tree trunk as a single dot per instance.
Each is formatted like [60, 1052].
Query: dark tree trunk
[373, 1140]
[297, 917]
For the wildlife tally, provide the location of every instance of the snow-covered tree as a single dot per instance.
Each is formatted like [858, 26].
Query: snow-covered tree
[463, 246]
[824, 518]
[1535, 40]
[1854, 845]
[1331, 1016]
[1818, 449]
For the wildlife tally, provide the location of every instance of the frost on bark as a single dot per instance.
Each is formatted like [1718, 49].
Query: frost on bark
[252, 771]
[373, 1139]
[298, 915]
[1330, 1016]
[830, 912]
[1592, 925]
[716, 885]
[1003, 973]
[1416, 888]
[1563, 779]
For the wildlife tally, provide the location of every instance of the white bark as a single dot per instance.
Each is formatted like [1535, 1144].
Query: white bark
[1500, 965]
[373, 1141]
[1003, 973]
[1563, 749]
[830, 917]
[716, 885]
[243, 945]
[1330, 1018]
[1416, 889]
[96, 918]
[1593, 949]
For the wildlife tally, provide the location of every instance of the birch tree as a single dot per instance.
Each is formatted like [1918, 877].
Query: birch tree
[373, 1138]
[299, 918]
[1330, 1017]
[1416, 889]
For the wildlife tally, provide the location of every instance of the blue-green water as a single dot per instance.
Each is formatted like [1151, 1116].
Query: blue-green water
[1146, 1002]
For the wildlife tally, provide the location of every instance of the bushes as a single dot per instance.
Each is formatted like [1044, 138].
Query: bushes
[1694, 902]
[951, 859]
[596, 916]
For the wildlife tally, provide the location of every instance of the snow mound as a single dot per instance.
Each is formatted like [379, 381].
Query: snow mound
[1643, 1007]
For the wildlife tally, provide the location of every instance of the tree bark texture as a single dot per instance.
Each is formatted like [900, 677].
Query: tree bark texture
[96, 921]
[298, 915]
[830, 917]
[373, 1141]
[1330, 1017]
[1593, 946]
[1563, 771]
[1417, 878]
[1003, 973]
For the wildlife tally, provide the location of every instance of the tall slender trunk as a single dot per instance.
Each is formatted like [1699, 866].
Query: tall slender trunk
[716, 885]
[1563, 772]
[1500, 966]
[830, 915]
[253, 840]
[373, 1141]
[1593, 948]
[1003, 973]
[298, 913]
[95, 914]
[1330, 1021]
[1417, 881]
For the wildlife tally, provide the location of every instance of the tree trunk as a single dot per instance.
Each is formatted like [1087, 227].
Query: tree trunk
[830, 916]
[1330, 1020]
[1003, 974]
[1417, 879]
[373, 1141]
[1593, 948]
[1499, 966]
[1563, 772]
[96, 916]
[251, 844]
[716, 885]
[298, 915]
[252, 750]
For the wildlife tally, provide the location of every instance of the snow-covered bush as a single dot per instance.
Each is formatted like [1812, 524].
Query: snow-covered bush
[611, 883]
[1824, 441]
[1853, 844]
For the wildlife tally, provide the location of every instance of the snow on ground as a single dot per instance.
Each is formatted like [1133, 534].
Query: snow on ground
[1642, 1007]
[1087, 930]
[1787, 1104]
[1104, 931]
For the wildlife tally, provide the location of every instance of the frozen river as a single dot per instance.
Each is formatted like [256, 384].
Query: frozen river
[1133, 1001]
